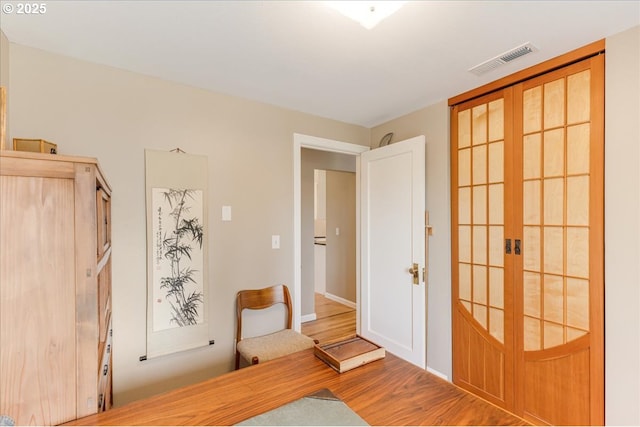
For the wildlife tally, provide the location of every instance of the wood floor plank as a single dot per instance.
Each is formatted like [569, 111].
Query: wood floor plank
[337, 327]
[325, 307]
[334, 321]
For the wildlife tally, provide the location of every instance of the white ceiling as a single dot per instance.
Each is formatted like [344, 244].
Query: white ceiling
[305, 56]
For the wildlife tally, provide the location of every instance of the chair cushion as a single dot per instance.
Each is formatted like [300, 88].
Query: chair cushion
[267, 347]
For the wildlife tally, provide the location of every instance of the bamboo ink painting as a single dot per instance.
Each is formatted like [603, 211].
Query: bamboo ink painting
[178, 288]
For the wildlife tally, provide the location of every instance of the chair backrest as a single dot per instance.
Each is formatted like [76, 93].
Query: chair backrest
[257, 299]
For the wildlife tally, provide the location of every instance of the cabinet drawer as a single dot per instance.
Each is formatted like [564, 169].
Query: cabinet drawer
[103, 220]
[104, 299]
[104, 372]
[105, 397]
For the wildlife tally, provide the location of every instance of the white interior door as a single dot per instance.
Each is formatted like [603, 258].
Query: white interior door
[393, 308]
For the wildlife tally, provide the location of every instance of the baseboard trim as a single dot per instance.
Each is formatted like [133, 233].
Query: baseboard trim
[437, 373]
[308, 318]
[343, 301]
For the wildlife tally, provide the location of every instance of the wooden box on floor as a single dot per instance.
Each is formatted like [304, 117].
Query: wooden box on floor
[349, 354]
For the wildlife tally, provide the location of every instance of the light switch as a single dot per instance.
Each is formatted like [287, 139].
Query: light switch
[226, 213]
[275, 241]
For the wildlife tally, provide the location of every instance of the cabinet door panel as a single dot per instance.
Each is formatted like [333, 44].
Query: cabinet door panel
[37, 316]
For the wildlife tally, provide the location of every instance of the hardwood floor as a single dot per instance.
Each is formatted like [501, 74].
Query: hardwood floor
[334, 321]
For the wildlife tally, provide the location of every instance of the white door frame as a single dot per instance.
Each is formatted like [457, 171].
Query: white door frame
[305, 141]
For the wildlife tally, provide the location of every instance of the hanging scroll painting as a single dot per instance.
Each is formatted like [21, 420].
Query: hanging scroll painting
[178, 287]
[177, 291]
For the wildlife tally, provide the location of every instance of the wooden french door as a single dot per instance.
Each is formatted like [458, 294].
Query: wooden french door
[528, 251]
[483, 339]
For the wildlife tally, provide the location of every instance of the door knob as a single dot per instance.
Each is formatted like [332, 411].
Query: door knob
[415, 272]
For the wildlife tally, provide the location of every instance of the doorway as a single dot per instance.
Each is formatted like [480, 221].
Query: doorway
[348, 153]
[334, 226]
[391, 255]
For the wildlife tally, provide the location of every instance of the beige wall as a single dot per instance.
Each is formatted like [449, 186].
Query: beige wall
[341, 249]
[433, 123]
[103, 112]
[622, 228]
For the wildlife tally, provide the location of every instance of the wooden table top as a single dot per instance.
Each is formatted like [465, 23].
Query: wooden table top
[389, 391]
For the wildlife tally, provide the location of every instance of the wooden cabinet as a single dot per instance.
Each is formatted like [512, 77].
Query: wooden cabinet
[55, 288]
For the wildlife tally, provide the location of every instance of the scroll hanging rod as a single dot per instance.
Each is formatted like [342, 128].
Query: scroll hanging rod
[144, 356]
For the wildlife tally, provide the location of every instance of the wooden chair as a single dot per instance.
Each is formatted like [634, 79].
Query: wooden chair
[267, 347]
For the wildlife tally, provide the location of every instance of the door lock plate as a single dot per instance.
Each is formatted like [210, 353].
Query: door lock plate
[415, 272]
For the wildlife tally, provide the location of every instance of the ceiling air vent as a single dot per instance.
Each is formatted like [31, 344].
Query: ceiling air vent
[502, 59]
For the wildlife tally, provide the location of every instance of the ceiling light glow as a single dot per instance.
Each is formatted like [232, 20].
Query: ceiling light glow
[367, 13]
